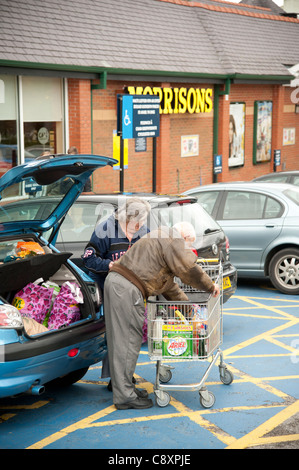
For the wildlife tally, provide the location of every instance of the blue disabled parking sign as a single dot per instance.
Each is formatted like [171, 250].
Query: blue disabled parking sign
[127, 117]
[138, 116]
[217, 164]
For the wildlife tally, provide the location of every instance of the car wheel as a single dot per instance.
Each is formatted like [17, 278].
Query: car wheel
[284, 271]
[69, 379]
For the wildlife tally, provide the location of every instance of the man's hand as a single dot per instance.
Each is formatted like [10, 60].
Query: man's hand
[216, 290]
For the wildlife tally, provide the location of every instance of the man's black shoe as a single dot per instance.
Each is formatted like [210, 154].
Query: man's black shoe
[137, 404]
[141, 392]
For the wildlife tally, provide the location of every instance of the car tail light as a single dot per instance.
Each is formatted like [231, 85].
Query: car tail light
[73, 352]
[225, 250]
[10, 317]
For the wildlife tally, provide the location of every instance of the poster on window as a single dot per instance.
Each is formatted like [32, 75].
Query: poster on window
[263, 130]
[236, 134]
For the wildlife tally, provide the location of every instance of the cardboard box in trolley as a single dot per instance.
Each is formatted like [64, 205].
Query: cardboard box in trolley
[177, 340]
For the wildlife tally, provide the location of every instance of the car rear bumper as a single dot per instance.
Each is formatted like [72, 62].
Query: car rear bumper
[25, 366]
[54, 340]
[27, 375]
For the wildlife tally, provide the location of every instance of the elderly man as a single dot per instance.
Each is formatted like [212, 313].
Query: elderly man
[113, 237]
[110, 240]
[148, 268]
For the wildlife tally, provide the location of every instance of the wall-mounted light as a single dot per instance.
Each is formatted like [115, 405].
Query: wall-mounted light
[297, 108]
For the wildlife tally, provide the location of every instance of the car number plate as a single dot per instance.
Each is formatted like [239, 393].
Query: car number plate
[226, 283]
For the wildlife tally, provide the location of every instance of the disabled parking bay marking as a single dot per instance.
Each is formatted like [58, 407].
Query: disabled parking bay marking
[287, 407]
[33, 406]
[82, 424]
[256, 438]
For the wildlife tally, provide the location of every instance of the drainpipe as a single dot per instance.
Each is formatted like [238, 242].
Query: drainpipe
[218, 93]
[102, 86]
[215, 127]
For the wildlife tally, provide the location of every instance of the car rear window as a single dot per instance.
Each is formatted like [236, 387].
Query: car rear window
[193, 213]
[80, 221]
[292, 194]
[274, 179]
[82, 217]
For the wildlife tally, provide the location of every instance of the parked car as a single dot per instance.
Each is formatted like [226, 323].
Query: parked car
[32, 207]
[261, 221]
[291, 177]
[38, 150]
[76, 229]
[28, 361]
[8, 157]
[89, 210]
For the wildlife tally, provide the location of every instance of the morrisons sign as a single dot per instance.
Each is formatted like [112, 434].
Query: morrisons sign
[178, 100]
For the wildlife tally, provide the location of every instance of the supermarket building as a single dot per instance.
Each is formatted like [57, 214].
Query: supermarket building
[225, 73]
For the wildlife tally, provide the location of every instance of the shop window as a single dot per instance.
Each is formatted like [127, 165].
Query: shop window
[40, 124]
[43, 116]
[8, 123]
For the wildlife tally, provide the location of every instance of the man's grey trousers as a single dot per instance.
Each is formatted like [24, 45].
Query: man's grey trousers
[124, 317]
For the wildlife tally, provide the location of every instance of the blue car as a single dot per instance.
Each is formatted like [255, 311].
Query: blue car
[34, 351]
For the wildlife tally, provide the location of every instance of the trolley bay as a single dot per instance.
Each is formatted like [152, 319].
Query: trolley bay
[259, 409]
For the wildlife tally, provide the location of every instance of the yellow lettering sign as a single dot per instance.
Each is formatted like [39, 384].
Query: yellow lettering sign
[168, 95]
[179, 100]
[182, 100]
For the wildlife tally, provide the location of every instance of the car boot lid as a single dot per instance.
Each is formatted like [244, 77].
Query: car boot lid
[58, 178]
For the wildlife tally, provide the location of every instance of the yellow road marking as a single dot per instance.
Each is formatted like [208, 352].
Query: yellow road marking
[82, 424]
[274, 440]
[252, 438]
[33, 406]
[6, 416]
[267, 307]
[259, 337]
[201, 416]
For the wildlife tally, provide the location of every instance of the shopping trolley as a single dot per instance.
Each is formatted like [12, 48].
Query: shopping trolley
[187, 330]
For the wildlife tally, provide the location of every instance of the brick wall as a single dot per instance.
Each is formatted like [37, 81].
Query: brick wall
[247, 94]
[290, 153]
[175, 173]
[79, 114]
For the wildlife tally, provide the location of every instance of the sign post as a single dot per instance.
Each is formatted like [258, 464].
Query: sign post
[277, 158]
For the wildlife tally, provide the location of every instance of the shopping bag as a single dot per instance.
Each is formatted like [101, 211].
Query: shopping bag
[33, 301]
[66, 308]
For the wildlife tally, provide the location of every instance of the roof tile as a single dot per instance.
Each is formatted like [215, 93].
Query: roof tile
[207, 36]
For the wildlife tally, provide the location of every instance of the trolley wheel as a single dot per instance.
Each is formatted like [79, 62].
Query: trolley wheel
[208, 400]
[162, 398]
[165, 375]
[227, 377]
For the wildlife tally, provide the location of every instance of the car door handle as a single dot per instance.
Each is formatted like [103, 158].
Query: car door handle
[269, 226]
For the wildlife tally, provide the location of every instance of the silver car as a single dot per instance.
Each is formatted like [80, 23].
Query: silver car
[261, 221]
[291, 177]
